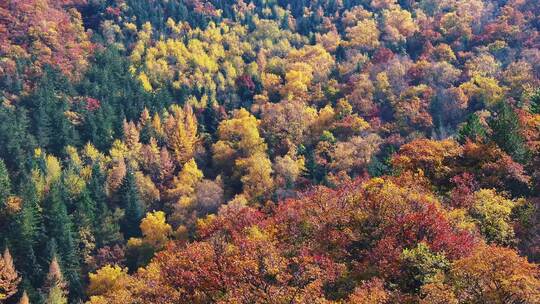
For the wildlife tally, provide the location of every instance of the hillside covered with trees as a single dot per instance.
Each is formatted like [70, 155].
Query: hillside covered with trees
[270, 151]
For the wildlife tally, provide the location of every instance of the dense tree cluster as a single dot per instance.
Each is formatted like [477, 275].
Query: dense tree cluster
[205, 151]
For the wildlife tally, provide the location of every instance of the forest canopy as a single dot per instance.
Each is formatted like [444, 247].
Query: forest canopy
[234, 151]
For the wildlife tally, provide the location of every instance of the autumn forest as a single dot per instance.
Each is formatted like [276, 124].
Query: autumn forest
[270, 151]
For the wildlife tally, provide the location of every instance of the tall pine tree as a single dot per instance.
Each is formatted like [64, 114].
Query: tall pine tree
[28, 233]
[85, 209]
[107, 226]
[48, 106]
[130, 200]
[507, 132]
[59, 228]
[5, 183]
[5, 191]
[16, 143]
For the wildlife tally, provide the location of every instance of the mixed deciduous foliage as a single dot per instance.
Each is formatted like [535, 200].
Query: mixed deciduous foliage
[204, 151]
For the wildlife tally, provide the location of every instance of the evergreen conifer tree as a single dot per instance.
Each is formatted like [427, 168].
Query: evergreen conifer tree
[28, 232]
[59, 226]
[5, 183]
[507, 132]
[130, 200]
[106, 223]
[16, 141]
[534, 106]
[472, 130]
[85, 209]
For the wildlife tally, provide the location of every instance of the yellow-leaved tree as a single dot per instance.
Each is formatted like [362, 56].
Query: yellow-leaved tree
[107, 279]
[364, 35]
[183, 190]
[155, 229]
[491, 212]
[241, 144]
[491, 274]
[156, 233]
[181, 132]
